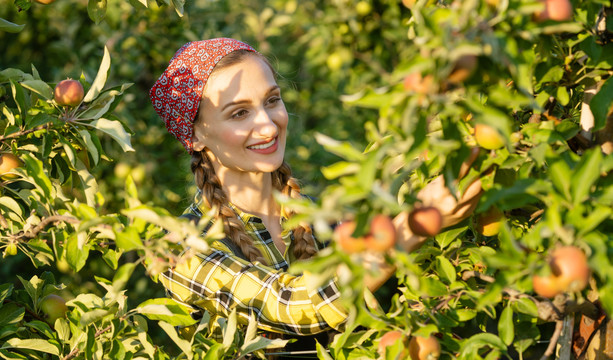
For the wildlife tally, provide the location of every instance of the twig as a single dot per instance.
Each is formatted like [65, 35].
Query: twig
[554, 340]
[470, 274]
[24, 132]
[76, 350]
[30, 234]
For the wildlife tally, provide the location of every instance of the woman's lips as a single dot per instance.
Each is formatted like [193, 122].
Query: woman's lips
[266, 147]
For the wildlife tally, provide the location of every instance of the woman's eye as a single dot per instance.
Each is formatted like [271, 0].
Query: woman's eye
[239, 114]
[274, 100]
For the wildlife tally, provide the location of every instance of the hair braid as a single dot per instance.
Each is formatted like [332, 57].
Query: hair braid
[304, 246]
[208, 182]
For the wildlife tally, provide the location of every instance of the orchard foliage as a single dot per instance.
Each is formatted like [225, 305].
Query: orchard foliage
[385, 96]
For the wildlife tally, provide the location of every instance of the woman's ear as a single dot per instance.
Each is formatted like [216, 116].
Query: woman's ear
[198, 137]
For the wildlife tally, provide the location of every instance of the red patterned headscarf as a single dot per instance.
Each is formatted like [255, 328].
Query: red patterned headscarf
[176, 94]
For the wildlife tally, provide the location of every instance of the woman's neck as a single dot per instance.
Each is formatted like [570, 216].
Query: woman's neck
[250, 191]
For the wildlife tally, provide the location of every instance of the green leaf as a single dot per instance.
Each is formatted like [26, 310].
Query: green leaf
[128, 239]
[339, 169]
[32, 344]
[116, 131]
[96, 9]
[585, 175]
[230, 330]
[166, 309]
[342, 149]
[179, 4]
[445, 269]
[40, 87]
[5, 291]
[37, 172]
[445, 238]
[103, 70]
[8, 26]
[506, 328]
[601, 104]
[525, 306]
[11, 313]
[184, 345]
[92, 316]
[560, 175]
[478, 341]
[77, 250]
[20, 99]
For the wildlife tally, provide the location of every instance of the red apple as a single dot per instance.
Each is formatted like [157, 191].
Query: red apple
[570, 268]
[388, 339]
[556, 10]
[382, 235]
[343, 235]
[546, 286]
[68, 93]
[425, 221]
[421, 348]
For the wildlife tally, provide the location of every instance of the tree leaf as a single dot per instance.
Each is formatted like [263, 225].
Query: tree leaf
[445, 269]
[116, 131]
[105, 65]
[40, 87]
[167, 310]
[601, 103]
[8, 26]
[585, 175]
[32, 344]
[128, 239]
[96, 9]
[506, 328]
[184, 345]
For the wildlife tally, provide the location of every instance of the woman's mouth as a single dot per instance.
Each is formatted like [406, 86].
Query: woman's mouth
[265, 148]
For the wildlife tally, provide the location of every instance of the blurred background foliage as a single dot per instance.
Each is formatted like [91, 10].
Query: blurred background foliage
[321, 49]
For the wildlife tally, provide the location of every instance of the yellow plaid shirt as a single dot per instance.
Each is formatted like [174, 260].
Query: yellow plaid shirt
[219, 281]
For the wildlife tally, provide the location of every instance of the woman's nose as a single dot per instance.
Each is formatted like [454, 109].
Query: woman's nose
[265, 126]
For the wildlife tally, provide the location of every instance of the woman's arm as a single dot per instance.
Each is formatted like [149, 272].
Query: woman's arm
[220, 282]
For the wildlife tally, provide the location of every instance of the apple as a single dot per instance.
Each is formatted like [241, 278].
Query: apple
[488, 137]
[556, 10]
[422, 348]
[425, 221]
[388, 339]
[68, 93]
[489, 222]
[416, 82]
[546, 286]
[570, 268]
[334, 61]
[53, 307]
[44, 2]
[408, 3]
[382, 235]
[462, 69]
[363, 8]
[8, 162]
[343, 235]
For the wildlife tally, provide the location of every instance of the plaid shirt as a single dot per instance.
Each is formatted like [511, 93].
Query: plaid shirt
[219, 281]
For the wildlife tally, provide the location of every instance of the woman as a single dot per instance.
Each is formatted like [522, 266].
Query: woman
[220, 98]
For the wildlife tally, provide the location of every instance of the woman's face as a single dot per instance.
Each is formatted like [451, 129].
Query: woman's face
[243, 120]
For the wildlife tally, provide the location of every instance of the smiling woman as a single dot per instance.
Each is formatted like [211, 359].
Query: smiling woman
[220, 98]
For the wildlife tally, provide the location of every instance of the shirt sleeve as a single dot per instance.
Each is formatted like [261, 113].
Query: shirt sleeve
[280, 302]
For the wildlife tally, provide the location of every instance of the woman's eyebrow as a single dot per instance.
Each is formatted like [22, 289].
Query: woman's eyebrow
[239, 102]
